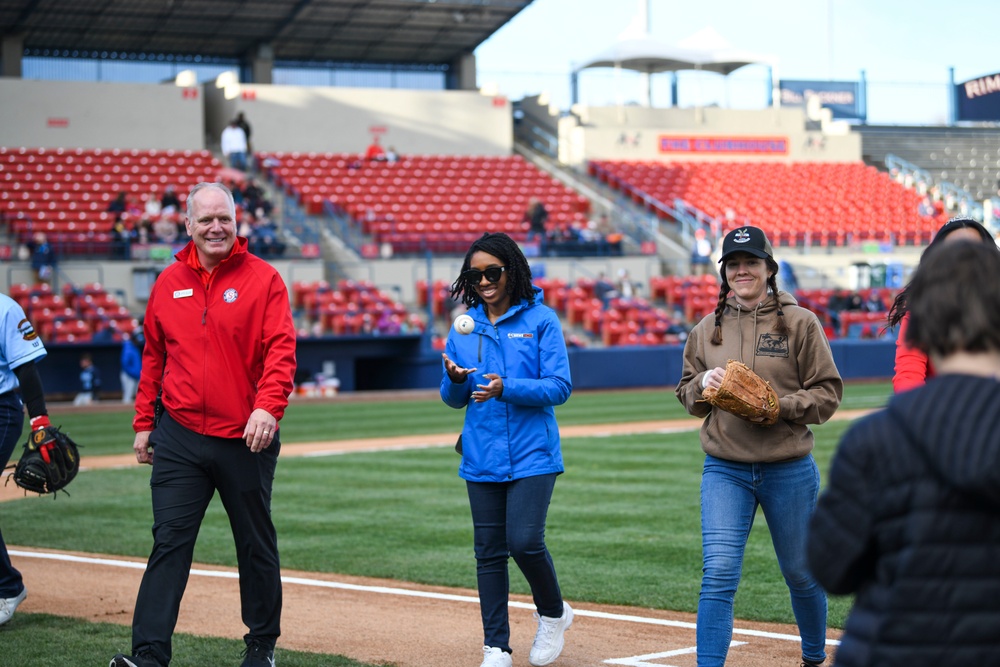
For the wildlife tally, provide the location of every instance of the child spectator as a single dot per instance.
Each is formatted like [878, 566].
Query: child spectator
[90, 381]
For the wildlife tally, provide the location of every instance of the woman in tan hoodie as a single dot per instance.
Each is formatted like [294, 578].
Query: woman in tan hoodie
[749, 465]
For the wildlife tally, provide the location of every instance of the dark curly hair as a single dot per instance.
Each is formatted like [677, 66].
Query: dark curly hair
[503, 247]
[900, 304]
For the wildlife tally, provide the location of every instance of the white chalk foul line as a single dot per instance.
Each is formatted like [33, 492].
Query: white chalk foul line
[640, 660]
[388, 590]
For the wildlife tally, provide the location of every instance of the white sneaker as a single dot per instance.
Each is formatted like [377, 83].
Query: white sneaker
[8, 605]
[548, 642]
[495, 657]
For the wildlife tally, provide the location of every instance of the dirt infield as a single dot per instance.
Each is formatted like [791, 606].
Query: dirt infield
[392, 622]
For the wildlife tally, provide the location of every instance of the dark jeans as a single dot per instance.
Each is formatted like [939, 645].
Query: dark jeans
[509, 520]
[11, 424]
[187, 470]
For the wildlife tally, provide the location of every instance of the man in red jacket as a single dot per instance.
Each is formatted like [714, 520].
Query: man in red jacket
[220, 357]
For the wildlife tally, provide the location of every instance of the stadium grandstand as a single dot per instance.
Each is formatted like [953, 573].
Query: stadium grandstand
[108, 109]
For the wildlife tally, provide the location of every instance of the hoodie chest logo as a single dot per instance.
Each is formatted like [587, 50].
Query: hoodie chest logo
[772, 345]
[230, 295]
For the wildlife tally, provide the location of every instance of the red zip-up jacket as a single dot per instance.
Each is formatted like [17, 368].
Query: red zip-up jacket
[222, 346]
[913, 368]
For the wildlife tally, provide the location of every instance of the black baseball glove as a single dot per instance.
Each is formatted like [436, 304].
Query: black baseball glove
[49, 462]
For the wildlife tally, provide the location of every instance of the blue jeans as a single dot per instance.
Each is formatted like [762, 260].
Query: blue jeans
[11, 424]
[730, 494]
[508, 519]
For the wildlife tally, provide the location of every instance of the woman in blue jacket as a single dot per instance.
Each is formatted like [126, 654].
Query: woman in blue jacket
[509, 373]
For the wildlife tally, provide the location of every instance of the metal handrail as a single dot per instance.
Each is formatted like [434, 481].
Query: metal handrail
[967, 204]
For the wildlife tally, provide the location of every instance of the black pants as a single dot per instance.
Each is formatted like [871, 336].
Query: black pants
[187, 470]
[11, 425]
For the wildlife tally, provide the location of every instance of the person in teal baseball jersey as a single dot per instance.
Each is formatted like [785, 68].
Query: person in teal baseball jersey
[20, 386]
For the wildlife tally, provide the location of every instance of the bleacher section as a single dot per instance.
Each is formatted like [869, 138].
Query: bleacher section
[349, 308]
[805, 203]
[437, 203]
[65, 192]
[968, 157]
[80, 314]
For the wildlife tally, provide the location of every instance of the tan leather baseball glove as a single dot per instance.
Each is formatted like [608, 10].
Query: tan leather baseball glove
[744, 394]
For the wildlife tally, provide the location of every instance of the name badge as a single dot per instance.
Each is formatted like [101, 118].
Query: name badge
[181, 293]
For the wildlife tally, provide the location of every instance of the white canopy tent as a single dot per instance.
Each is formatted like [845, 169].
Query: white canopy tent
[705, 51]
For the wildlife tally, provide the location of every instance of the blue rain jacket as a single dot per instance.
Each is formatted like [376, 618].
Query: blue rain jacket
[516, 435]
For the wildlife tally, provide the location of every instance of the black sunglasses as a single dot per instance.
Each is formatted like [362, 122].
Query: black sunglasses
[475, 276]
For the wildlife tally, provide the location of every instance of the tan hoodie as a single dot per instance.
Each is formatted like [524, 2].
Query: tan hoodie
[798, 365]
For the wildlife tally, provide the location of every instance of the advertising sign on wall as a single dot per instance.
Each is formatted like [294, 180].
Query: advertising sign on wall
[840, 97]
[728, 145]
[979, 98]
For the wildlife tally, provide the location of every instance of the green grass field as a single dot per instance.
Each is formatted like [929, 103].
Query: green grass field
[623, 526]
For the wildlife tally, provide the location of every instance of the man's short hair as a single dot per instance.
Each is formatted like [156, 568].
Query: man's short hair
[204, 186]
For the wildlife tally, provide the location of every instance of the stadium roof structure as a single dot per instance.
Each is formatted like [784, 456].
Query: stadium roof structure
[372, 31]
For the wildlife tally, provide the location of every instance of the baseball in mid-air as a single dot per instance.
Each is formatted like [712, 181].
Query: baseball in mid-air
[464, 324]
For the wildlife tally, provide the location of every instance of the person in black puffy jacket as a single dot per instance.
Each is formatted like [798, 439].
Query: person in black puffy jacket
[910, 520]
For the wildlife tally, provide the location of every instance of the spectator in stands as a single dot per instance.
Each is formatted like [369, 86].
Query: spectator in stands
[133, 208]
[170, 202]
[43, 258]
[143, 232]
[604, 289]
[90, 381]
[254, 197]
[751, 465]
[121, 240]
[118, 205]
[245, 228]
[626, 288]
[388, 323]
[536, 216]
[131, 364]
[873, 302]
[926, 207]
[701, 253]
[588, 235]
[165, 230]
[909, 520]
[265, 234]
[375, 152]
[241, 120]
[368, 327]
[105, 332]
[152, 206]
[391, 156]
[234, 145]
[839, 301]
[510, 439]
[612, 237]
[913, 367]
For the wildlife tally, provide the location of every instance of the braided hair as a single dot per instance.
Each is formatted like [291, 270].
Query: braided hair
[772, 285]
[503, 247]
[900, 305]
